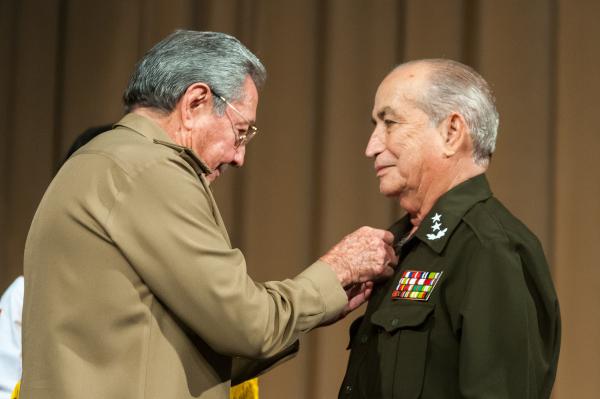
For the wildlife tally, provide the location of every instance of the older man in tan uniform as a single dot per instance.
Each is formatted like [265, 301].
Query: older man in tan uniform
[132, 287]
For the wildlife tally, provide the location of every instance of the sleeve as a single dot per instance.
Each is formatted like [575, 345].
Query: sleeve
[244, 369]
[11, 309]
[499, 354]
[19, 294]
[164, 225]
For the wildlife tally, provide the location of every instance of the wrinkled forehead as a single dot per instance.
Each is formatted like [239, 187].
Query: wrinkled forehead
[400, 86]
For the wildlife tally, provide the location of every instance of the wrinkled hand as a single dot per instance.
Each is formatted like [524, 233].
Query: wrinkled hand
[357, 295]
[364, 255]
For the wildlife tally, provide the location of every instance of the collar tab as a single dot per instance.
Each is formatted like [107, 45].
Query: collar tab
[448, 211]
[189, 156]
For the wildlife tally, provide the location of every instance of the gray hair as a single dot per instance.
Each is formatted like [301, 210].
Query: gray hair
[455, 87]
[186, 57]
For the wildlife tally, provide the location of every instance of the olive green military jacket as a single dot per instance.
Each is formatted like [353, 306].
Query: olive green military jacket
[132, 287]
[470, 313]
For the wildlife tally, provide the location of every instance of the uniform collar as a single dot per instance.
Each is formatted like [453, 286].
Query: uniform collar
[448, 211]
[147, 128]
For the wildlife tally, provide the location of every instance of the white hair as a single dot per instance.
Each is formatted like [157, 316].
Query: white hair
[455, 87]
[186, 57]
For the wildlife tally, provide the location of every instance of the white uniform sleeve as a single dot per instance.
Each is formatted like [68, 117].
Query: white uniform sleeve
[11, 309]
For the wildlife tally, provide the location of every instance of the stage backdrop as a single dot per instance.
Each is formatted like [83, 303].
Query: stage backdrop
[64, 64]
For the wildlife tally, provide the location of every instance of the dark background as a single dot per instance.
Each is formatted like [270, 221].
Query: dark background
[64, 64]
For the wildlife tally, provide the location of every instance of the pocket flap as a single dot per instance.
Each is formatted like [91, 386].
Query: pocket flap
[402, 315]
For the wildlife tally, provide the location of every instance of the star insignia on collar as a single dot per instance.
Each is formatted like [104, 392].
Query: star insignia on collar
[436, 226]
[439, 234]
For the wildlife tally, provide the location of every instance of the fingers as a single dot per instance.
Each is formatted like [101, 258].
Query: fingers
[384, 235]
[357, 295]
[388, 237]
[366, 254]
[392, 259]
[368, 290]
[386, 273]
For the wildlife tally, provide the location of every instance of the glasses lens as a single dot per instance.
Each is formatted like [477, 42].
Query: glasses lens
[244, 138]
[239, 141]
[252, 130]
[240, 138]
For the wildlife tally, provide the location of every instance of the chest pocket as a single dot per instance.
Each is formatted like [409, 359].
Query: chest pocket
[403, 338]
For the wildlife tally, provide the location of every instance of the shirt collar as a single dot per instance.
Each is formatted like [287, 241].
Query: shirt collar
[448, 211]
[149, 129]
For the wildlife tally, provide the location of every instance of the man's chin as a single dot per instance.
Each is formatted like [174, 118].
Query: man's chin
[388, 191]
[213, 176]
[389, 194]
[218, 171]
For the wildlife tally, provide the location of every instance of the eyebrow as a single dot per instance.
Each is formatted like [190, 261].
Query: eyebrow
[387, 110]
[251, 122]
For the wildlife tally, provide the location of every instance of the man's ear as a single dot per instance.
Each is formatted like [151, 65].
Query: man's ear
[196, 100]
[455, 134]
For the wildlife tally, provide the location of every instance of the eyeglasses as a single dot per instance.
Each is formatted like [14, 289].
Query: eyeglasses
[244, 137]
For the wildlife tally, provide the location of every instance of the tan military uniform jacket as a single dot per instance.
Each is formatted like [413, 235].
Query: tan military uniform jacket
[132, 287]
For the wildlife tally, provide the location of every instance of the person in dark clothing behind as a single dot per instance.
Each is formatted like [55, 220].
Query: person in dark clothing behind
[86, 137]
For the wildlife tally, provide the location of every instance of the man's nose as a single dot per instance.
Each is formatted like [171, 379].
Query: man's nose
[238, 158]
[375, 144]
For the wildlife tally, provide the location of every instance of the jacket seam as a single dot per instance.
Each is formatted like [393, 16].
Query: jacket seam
[147, 350]
[120, 193]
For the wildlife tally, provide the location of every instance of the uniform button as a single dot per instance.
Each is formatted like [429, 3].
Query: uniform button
[348, 389]
[364, 339]
[395, 322]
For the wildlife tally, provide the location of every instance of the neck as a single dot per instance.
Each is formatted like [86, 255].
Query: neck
[430, 191]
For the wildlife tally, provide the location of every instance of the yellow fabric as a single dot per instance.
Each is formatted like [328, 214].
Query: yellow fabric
[245, 390]
[15, 393]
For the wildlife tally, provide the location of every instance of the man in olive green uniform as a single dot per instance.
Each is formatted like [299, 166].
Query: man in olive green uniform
[132, 288]
[471, 311]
